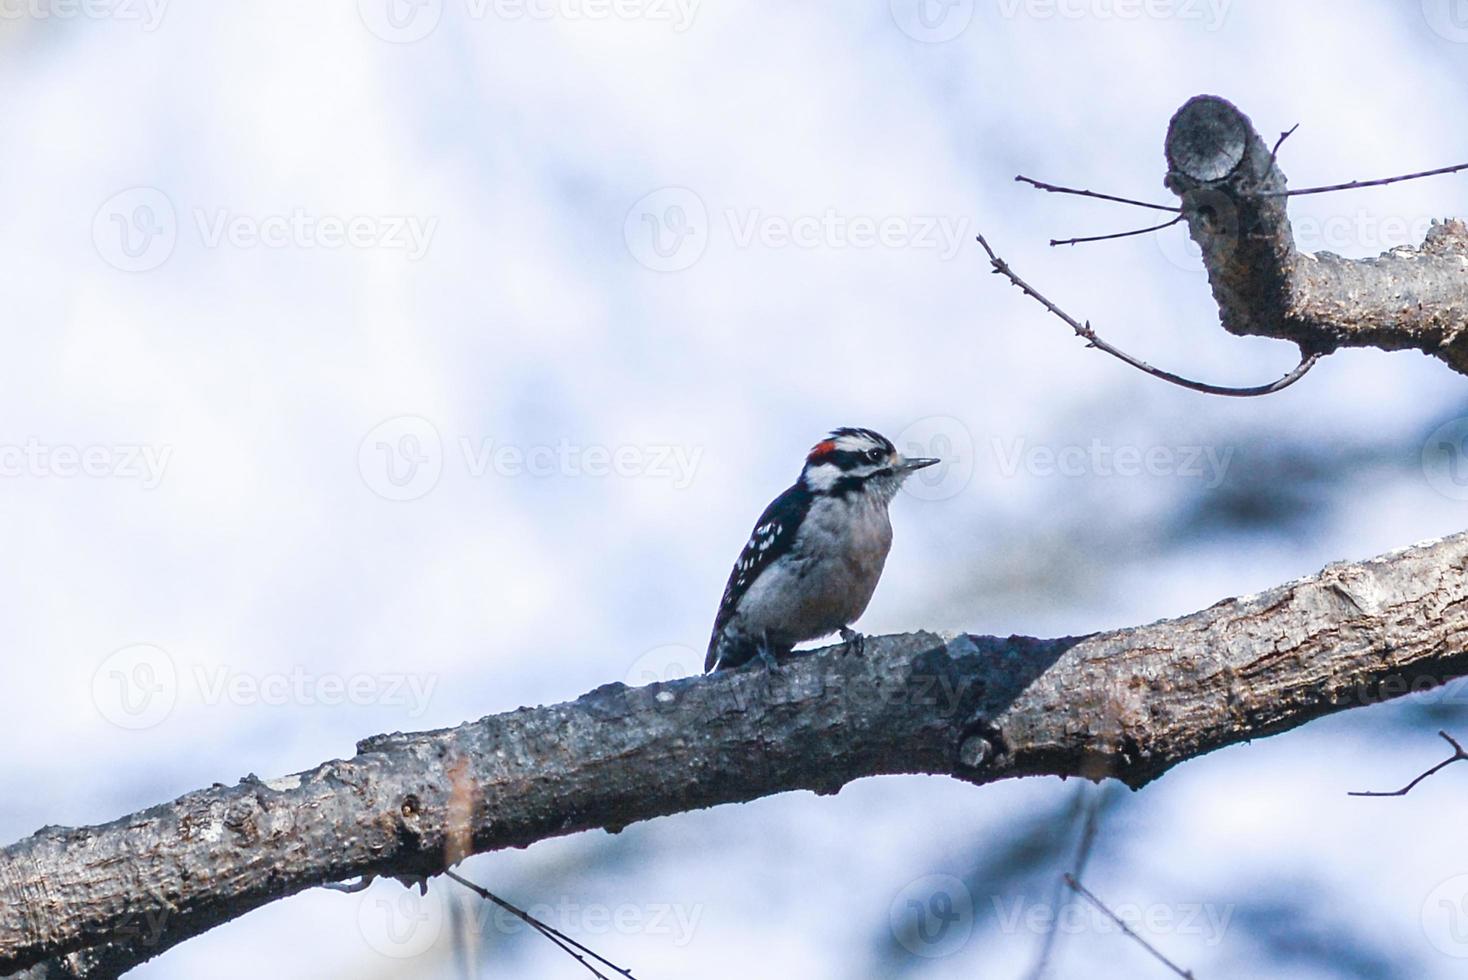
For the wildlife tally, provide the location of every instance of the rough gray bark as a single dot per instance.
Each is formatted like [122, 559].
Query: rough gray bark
[1129, 704]
[1232, 194]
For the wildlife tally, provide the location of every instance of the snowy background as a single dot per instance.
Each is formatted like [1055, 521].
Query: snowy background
[380, 365]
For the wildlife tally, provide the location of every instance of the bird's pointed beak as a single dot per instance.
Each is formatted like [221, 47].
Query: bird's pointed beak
[913, 464]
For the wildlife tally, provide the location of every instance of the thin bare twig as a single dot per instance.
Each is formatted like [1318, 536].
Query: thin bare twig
[1086, 333]
[1458, 755]
[1120, 234]
[1055, 189]
[1350, 185]
[1082, 891]
[565, 942]
[1355, 184]
[1089, 808]
[1274, 153]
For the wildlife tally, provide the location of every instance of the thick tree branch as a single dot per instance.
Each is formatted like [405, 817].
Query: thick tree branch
[1130, 703]
[1233, 197]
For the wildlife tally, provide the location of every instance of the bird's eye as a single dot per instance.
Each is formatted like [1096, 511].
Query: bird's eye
[875, 455]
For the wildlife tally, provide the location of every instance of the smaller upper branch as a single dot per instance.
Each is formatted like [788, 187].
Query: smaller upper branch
[1116, 234]
[1233, 197]
[1057, 189]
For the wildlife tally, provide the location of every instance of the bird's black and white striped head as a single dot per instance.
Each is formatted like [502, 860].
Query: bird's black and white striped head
[858, 461]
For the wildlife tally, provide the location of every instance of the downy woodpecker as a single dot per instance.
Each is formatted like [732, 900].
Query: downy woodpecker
[816, 553]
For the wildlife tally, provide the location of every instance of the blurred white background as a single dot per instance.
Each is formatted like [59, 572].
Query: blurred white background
[380, 365]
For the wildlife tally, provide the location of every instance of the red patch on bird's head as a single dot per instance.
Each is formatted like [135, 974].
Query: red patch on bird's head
[821, 450]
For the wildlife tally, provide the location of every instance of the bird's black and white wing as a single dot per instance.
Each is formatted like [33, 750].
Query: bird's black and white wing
[774, 534]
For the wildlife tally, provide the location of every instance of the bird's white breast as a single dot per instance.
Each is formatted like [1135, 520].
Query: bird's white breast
[829, 574]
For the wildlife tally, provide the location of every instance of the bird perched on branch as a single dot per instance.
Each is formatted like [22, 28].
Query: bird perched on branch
[816, 553]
